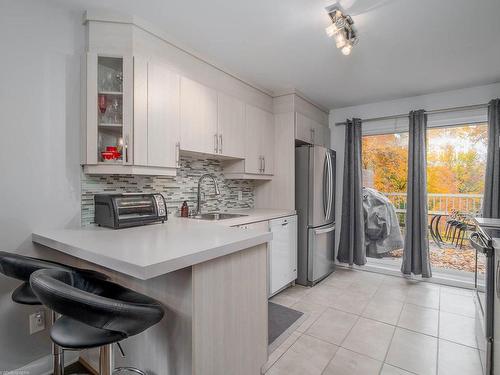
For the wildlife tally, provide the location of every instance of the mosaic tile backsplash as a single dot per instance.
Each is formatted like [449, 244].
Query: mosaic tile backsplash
[176, 190]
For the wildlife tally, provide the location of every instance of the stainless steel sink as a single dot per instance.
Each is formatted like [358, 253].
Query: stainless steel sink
[216, 216]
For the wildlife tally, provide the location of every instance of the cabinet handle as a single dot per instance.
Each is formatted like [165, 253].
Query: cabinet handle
[216, 143]
[178, 154]
[125, 147]
[261, 159]
[312, 135]
[264, 167]
[220, 143]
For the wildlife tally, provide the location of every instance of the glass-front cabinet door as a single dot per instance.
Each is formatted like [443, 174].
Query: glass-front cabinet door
[109, 110]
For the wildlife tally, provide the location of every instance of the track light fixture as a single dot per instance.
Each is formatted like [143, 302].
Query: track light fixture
[341, 30]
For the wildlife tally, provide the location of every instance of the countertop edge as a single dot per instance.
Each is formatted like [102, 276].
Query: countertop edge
[154, 270]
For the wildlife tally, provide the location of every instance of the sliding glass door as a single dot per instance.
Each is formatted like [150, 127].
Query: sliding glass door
[385, 168]
[456, 161]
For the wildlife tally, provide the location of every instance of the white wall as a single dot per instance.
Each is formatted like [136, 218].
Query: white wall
[448, 99]
[39, 145]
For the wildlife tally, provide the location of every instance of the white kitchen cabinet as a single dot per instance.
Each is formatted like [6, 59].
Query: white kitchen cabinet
[198, 118]
[283, 253]
[231, 126]
[123, 114]
[267, 143]
[156, 115]
[108, 110]
[259, 147]
[310, 131]
[255, 124]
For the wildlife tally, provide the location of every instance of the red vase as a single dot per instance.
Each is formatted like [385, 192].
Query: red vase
[103, 103]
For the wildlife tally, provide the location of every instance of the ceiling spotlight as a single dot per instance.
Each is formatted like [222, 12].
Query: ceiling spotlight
[341, 29]
[346, 50]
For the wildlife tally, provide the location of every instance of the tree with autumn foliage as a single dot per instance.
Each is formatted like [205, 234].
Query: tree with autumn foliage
[456, 160]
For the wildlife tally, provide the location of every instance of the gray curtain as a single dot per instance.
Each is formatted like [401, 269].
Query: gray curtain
[352, 248]
[416, 249]
[491, 202]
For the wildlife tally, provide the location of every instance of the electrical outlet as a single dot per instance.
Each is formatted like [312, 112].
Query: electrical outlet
[240, 195]
[37, 321]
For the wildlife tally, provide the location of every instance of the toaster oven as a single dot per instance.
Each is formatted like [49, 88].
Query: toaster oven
[128, 210]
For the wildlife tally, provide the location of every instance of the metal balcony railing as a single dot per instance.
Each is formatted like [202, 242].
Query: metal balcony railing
[441, 203]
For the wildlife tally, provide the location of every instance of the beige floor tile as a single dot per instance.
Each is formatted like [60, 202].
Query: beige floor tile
[280, 350]
[385, 310]
[295, 292]
[367, 288]
[352, 302]
[341, 282]
[457, 328]
[283, 300]
[459, 291]
[347, 362]
[422, 296]
[307, 356]
[414, 352]
[391, 370]
[420, 319]
[322, 295]
[457, 304]
[396, 292]
[312, 310]
[333, 326]
[398, 281]
[457, 359]
[370, 338]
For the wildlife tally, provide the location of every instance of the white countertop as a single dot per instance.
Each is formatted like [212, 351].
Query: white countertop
[253, 215]
[148, 251]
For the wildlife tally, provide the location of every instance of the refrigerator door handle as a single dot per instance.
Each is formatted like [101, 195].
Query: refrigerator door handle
[325, 230]
[332, 188]
[330, 181]
[325, 187]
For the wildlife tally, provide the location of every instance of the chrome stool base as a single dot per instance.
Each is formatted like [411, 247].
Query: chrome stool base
[107, 362]
[57, 352]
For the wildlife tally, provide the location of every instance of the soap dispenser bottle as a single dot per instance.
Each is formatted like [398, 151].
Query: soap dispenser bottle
[184, 209]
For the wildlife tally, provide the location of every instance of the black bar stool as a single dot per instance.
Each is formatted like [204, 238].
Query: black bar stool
[21, 267]
[95, 312]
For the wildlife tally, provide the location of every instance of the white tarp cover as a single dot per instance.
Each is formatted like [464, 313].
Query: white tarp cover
[382, 231]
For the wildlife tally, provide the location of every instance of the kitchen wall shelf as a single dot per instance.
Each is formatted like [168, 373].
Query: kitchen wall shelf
[111, 125]
[115, 93]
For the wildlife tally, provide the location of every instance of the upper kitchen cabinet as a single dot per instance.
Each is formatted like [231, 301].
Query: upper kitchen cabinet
[259, 147]
[119, 111]
[156, 115]
[310, 131]
[198, 118]
[231, 127]
[108, 111]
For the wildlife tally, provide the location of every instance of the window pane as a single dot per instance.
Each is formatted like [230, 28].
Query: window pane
[385, 166]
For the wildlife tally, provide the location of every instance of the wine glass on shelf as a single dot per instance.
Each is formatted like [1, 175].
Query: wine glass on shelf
[119, 81]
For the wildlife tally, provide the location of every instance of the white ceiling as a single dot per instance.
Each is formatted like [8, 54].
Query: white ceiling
[406, 48]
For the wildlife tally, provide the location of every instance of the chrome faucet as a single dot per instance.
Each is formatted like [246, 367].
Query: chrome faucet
[216, 186]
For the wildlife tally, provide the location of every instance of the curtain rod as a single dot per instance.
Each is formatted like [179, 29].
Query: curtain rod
[434, 111]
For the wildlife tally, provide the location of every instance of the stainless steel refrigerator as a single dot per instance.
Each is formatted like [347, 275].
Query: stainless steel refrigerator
[315, 205]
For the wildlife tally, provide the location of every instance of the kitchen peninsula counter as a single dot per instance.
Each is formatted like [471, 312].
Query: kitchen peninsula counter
[152, 250]
[211, 279]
